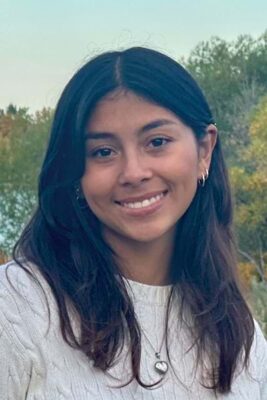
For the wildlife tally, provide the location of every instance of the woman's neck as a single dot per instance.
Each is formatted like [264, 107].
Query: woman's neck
[144, 262]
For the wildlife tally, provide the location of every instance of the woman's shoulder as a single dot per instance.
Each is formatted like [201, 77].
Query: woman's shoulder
[23, 280]
[257, 366]
[24, 296]
[259, 353]
[260, 343]
[16, 275]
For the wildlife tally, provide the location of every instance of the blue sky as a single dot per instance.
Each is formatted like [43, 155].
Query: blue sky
[42, 43]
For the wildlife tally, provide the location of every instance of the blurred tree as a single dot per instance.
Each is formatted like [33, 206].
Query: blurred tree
[23, 140]
[11, 109]
[234, 77]
[250, 189]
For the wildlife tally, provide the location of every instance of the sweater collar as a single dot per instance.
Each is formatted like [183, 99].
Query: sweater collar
[148, 294]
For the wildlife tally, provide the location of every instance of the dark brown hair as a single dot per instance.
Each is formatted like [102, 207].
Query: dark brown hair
[64, 239]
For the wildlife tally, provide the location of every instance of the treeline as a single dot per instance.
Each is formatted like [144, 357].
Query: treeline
[233, 76]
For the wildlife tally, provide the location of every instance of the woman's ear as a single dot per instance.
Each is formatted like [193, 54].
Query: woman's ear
[206, 146]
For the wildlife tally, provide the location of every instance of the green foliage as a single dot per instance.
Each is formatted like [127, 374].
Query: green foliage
[23, 140]
[234, 77]
[250, 189]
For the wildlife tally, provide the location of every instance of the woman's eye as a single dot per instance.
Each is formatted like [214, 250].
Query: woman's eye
[105, 152]
[159, 142]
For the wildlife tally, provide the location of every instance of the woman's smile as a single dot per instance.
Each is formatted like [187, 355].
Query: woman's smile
[143, 208]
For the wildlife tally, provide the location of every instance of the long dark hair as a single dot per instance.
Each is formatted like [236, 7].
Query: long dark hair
[63, 239]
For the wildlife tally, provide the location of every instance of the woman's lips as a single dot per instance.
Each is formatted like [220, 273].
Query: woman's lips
[144, 211]
[141, 197]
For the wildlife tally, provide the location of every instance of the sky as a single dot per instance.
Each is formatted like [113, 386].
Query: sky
[43, 43]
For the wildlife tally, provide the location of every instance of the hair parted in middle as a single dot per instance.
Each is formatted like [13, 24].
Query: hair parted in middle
[64, 239]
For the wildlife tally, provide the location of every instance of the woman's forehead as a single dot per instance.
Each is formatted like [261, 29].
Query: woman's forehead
[127, 107]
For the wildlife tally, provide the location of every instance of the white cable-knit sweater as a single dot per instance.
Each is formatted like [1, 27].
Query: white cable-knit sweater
[39, 365]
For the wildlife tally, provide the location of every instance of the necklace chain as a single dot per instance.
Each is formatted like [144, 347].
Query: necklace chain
[160, 366]
[157, 353]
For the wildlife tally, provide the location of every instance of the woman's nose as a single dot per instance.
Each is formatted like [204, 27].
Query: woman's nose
[134, 170]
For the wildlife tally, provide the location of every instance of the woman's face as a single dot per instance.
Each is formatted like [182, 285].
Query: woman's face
[142, 168]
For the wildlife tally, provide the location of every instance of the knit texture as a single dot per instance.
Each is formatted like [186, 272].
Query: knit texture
[37, 364]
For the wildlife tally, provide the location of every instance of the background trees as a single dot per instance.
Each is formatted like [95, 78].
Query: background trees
[249, 180]
[23, 139]
[234, 78]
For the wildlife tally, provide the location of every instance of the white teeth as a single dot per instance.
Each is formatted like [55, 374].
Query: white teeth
[144, 203]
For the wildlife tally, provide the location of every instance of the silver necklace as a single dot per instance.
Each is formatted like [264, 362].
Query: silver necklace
[160, 366]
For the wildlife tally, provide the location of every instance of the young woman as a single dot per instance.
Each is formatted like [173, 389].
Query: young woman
[123, 284]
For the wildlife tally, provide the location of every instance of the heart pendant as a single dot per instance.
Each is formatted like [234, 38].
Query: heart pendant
[161, 367]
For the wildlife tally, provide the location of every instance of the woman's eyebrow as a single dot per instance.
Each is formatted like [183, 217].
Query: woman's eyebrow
[100, 135]
[156, 124]
[112, 136]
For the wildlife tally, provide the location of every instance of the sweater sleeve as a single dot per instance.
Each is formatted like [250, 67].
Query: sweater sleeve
[15, 364]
